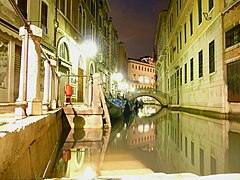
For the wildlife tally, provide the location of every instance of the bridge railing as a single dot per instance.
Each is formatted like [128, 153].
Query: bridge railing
[151, 90]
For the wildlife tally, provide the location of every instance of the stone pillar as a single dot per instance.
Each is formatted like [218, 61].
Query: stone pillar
[96, 103]
[53, 102]
[90, 91]
[33, 78]
[22, 96]
[58, 91]
[46, 86]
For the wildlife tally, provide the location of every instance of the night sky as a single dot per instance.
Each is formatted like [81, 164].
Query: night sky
[136, 23]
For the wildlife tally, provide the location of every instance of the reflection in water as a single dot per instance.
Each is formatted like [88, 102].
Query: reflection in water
[82, 153]
[167, 141]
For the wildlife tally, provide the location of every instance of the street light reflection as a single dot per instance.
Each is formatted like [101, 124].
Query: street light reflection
[89, 172]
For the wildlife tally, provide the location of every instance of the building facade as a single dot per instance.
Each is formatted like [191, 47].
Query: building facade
[69, 28]
[141, 73]
[191, 63]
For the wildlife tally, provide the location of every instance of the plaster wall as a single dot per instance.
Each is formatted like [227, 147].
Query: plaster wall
[27, 145]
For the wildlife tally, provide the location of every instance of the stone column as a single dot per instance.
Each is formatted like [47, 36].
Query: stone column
[22, 97]
[46, 86]
[96, 103]
[58, 91]
[90, 91]
[33, 78]
[53, 102]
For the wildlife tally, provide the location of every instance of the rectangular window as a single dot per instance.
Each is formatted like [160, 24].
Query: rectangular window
[233, 81]
[185, 33]
[177, 46]
[200, 64]
[44, 15]
[185, 73]
[132, 66]
[199, 12]
[180, 4]
[180, 38]
[22, 5]
[180, 76]
[69, 9]
[177, 7]
[210, 5]
[62, 6]
[233, 36]
[211, 57]
[191, 24]
[191, 69]
[201, 154]
[186, 147]
[192, 153]
[181, 142]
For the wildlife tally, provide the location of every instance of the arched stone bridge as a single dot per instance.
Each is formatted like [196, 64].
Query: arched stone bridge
[161, 97]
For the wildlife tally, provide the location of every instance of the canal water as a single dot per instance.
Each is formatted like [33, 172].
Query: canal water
[152, 140]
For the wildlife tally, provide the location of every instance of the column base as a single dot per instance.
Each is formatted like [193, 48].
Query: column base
[53, 104]
[34, 108]
[20, 110]
[45, 107]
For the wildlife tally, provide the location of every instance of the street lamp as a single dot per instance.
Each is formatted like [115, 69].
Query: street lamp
[89, 48]
[117, 77]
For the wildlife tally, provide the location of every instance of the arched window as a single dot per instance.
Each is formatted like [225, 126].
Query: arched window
[93, 8]
[63, 52]
[91, 69]
[93, 31]
[80, 19]
[84, 22]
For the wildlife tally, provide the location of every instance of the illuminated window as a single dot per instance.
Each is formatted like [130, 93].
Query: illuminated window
[140, 79]
[146, 80]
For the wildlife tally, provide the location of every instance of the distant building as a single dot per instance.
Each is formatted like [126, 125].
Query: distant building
[141, 73]
[122, 60]
[197, 63]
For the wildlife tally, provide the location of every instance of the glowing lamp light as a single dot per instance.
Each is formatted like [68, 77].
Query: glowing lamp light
[89, 49]
[117, 77]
